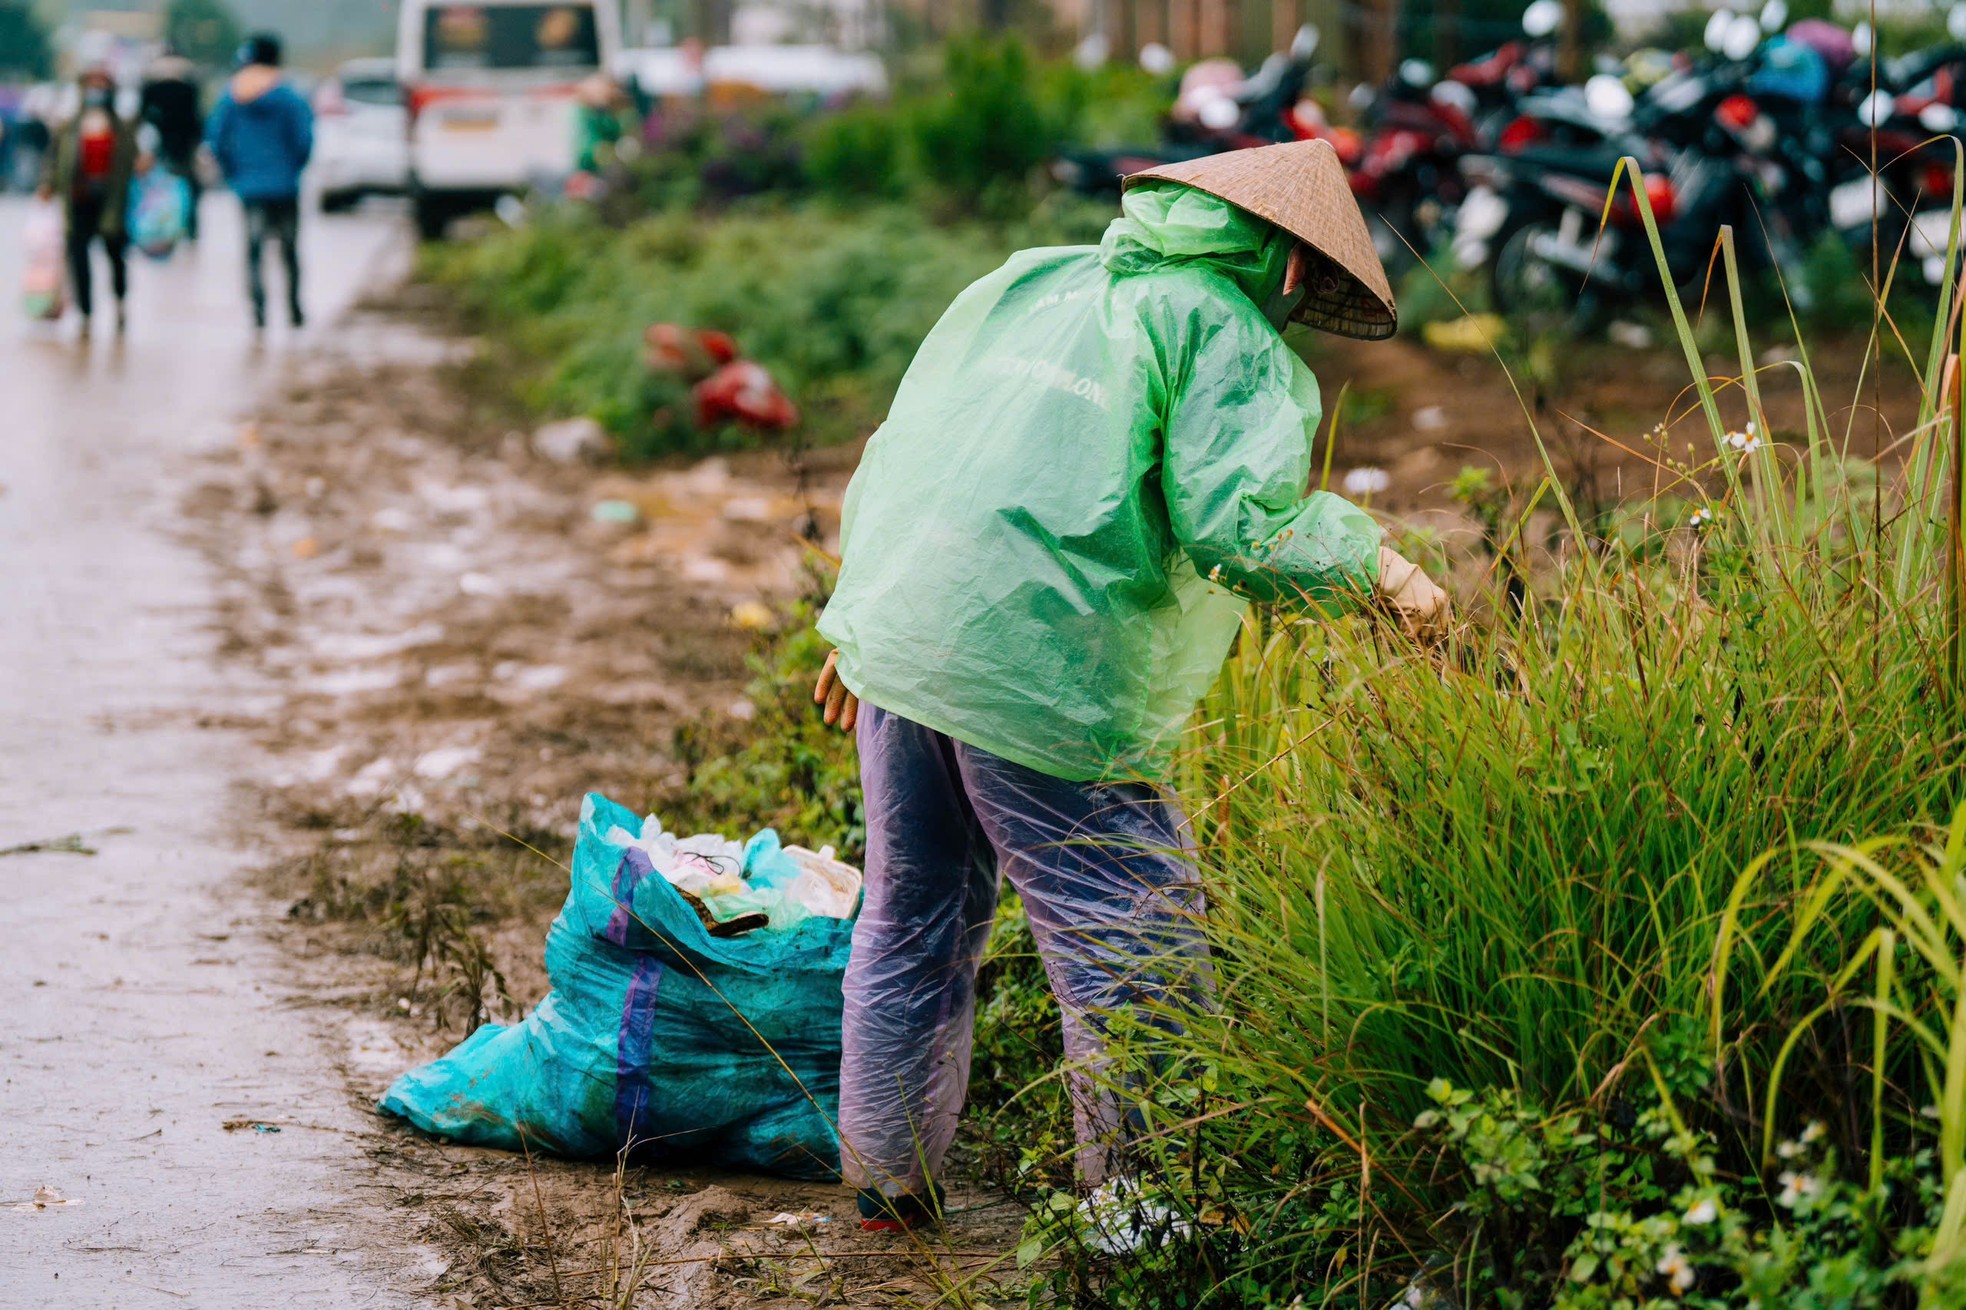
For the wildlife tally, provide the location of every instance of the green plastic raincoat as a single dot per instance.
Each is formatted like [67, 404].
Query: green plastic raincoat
[1092, 454]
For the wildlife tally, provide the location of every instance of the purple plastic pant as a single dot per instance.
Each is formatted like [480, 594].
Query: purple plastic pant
[1114, 904]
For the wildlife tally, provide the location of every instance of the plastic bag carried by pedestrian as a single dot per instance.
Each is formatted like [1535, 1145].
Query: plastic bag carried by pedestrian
[694, 1014]
[159, 202]
[44, 281]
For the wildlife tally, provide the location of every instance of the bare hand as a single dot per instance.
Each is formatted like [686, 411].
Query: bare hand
[44, 193]
[1411, 597]
[842, 706]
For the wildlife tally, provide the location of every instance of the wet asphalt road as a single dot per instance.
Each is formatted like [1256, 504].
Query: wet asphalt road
[140, 1009]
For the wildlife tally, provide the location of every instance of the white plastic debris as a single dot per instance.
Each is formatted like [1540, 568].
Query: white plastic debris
[45, 1198]
[801, 1219]
[570, 441]
[825, 885]
[706, 864]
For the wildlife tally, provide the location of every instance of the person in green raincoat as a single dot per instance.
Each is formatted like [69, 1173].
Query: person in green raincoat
[1096, 460]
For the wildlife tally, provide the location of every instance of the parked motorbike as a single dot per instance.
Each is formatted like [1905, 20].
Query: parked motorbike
[1563, 245]
[1218, 109]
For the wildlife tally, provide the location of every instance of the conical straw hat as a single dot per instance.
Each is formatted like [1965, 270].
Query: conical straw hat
[1301, 187]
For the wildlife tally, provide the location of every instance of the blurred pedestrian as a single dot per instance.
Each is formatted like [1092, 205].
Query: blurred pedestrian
[597, 124]
[87, 167]
[262, 133]
[170, 105]
[33, 133]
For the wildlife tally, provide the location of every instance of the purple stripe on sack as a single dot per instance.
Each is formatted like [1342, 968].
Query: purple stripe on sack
[631, 1061]
[635, 865]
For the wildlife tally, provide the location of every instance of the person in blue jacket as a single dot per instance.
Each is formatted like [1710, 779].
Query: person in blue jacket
[262, 134]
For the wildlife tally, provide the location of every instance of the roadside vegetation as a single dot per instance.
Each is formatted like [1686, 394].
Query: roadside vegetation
[1609, 956]
[1606, 957]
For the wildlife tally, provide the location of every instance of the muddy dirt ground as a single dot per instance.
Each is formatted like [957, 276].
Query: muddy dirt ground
[464, 651]
[463, 648]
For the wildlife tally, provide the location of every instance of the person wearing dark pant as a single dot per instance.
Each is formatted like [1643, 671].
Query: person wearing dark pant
[89, 165]
[279, 220]
[87, 225]
[169, 104]
[262, 134]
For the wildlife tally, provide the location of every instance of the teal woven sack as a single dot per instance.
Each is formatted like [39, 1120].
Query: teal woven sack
[656, 1036]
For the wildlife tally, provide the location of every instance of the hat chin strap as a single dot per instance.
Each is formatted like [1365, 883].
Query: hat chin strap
[1284, 302]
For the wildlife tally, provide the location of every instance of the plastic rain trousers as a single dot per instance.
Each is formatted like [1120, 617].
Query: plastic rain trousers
[1092, 451]
[1114, 904]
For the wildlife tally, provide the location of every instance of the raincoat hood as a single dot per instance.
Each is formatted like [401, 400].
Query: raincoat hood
[1166, 224]
[1097, 456]
[262, 134]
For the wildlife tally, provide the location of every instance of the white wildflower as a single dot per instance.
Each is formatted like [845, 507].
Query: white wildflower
[1703, 1212]
[1738, 440]
[1677, 1269]
[1367, 481]
[1703, 518]
[1788, 1150]
[1814, 1132]
[1797, 1188]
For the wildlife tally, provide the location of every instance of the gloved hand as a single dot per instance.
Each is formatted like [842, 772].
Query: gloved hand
[842, 706]
[1410, 596]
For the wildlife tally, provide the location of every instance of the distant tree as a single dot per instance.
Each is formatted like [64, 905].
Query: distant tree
[24, 46]
[1482, 25]
[206, 32]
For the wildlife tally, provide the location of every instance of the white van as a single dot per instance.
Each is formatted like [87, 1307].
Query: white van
[491, 88]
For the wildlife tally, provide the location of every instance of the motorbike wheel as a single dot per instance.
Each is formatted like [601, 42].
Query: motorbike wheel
[1534, 295]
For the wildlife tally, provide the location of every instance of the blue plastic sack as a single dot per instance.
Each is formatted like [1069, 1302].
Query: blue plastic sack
[655, 1036]
[159, 201]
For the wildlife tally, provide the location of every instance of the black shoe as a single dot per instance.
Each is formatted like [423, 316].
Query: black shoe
[880, 1213]
[122, 319]
[295, 317]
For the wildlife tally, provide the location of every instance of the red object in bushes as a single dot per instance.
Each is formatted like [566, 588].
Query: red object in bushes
[692, 352]
[743, 392]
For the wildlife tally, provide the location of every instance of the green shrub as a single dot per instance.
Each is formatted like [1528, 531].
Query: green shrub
[987, 132]
[783, 767]
[833, 304]
[861, 152]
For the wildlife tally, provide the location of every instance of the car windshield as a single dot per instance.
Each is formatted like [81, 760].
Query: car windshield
[372, 91]
[510, 37]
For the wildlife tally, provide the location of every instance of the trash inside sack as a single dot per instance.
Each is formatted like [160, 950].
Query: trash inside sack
[747, 887]
[694, 1013]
